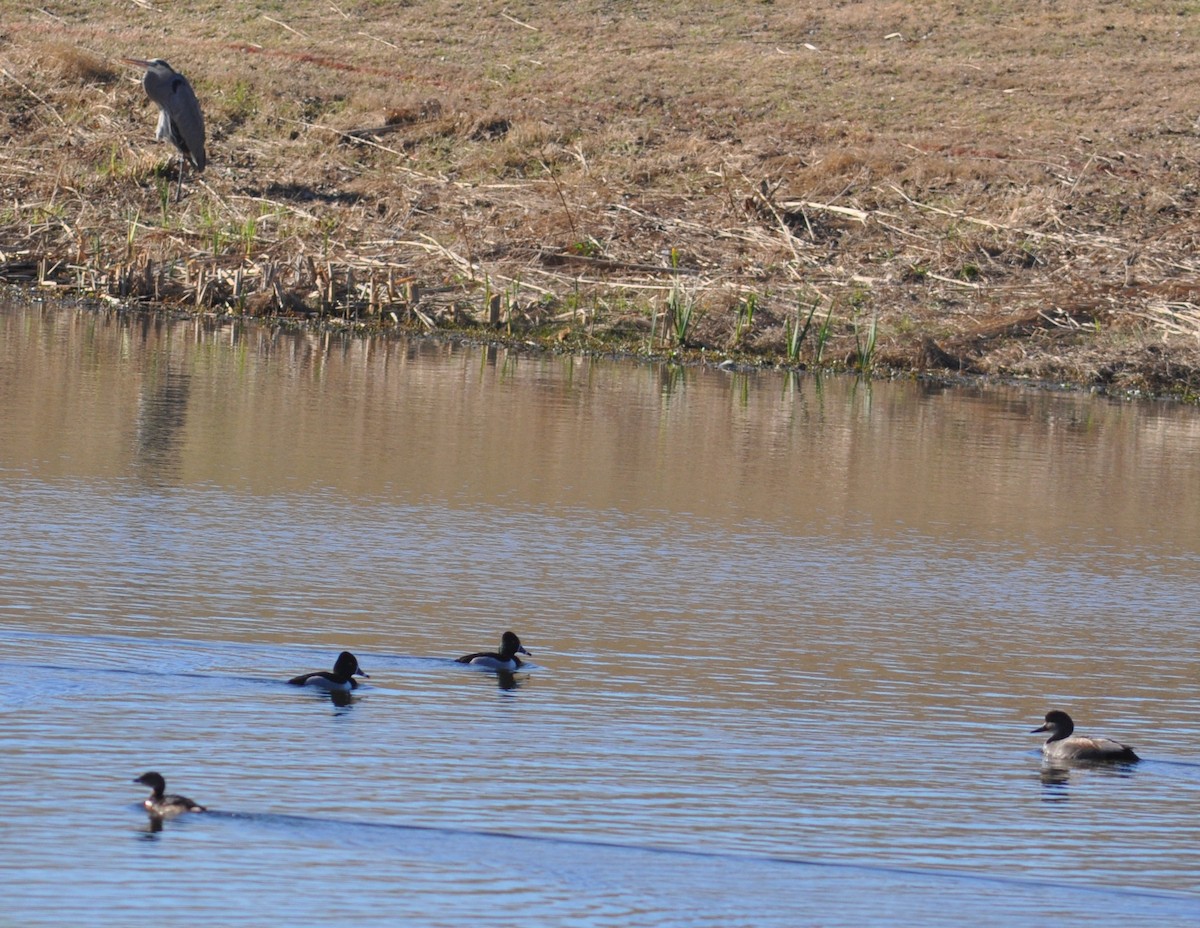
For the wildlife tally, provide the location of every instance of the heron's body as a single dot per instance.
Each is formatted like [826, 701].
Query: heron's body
[180, 120]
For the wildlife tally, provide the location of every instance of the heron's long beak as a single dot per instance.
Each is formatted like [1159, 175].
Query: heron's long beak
[141, 63]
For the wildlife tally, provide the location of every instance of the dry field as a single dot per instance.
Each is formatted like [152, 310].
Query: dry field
[973, 187]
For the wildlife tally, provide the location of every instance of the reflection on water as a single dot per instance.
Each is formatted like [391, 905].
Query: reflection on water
[1057, 776]
[790, 637]
[507, 681]
[151, 829]
[161, 416]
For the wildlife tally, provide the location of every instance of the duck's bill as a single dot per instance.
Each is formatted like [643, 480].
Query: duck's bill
[1040, 728]
[362, 673]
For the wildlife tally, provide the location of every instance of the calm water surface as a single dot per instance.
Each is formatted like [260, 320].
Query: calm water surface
[789, 639]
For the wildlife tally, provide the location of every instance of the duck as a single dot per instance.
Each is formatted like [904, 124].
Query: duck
[164, 804]
[505, 659]
[1062, 745]
[341, 679]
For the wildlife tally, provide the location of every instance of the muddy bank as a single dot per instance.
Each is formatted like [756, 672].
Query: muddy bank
[867, 188]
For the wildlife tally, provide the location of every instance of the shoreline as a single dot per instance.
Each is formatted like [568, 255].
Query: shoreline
[482, 338]
[1016, 206]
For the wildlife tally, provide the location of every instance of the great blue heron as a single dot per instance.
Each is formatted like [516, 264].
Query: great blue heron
[179, 119]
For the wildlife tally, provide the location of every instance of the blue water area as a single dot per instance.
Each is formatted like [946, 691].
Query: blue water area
[790, 637]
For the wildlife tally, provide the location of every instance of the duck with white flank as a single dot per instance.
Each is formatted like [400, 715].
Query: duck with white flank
[505, 659]
[340, 680]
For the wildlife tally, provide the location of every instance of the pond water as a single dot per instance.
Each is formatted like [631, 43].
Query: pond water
[789, 636]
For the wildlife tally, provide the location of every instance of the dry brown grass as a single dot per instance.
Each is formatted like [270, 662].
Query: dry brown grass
[1009, 189]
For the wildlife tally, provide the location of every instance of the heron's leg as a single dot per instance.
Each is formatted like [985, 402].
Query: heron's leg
[179, 186]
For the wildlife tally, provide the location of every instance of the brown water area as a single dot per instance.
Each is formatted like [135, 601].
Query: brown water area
[204, 402]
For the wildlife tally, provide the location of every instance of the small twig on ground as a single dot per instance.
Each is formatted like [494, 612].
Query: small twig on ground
[513, 19]
[859, 215]
[1079, 177]
[284, 26]
[375, 38]
[953, 282]
[611, 264]
[562, 199]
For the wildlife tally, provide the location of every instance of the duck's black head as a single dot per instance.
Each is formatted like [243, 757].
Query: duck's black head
[1058, 723]
[510, 646]
[346, 666]
[154, 781]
